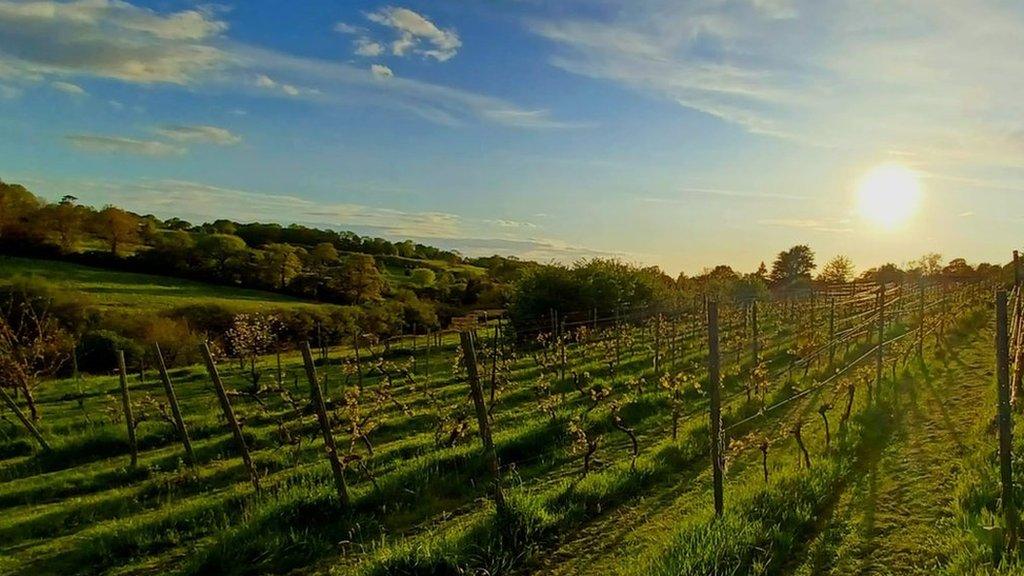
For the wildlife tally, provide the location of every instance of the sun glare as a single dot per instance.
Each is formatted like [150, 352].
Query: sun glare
[888, 195]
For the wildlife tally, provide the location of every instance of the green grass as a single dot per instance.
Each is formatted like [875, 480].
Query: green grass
[417, 509]
[124, 290]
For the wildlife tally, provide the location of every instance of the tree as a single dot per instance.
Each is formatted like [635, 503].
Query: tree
[117, 227]
[220, 248]
[324, 254]
[792, 266]
[423, 277]
[958, 268]
[930, 264]
[65, 219]
[33, 342]
[16, 203]
[281, 264]
[251, 336]
[358, 279]
[838, 270]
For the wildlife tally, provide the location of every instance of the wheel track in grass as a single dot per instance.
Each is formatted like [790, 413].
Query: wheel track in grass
[890, 520]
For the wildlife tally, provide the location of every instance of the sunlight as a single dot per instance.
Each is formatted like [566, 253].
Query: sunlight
[888, 195]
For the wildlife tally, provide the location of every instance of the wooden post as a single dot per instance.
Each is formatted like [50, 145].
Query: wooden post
[413, 347]
[325, 426]
[469, 359]
[1016, 268]
[426, 357]
[126, 403]
[25, 420]
[1005, 421]
[880, 352]
[172, 399]
[359, 365]
[229, 414]
[755, 345]
[714, 383]
[831, 335]
[920, 319]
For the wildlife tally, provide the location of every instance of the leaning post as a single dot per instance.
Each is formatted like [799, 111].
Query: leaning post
[126, 403]
[229, 414]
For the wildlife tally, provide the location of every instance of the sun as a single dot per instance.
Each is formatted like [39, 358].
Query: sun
[888, 195]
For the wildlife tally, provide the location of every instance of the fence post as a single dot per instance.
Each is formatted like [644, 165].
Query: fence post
[754, 344]
[920, 319]
[714, 383]
[1005, 421]
[127, 405]
[25, 421]
[831, 334]
[1016, 268]
[172, 399]
[881, 337]
[325, 426]
[359, 364]
[469, 359]
[229, 414]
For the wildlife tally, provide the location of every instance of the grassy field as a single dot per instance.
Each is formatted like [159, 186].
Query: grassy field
[420, 504]
[125, 290]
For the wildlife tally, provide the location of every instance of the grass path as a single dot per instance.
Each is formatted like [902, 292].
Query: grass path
[891, 518]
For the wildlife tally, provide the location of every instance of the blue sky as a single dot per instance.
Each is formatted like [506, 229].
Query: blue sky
[683, 134]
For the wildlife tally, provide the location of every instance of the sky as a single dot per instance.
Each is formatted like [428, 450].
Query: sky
[681, 134]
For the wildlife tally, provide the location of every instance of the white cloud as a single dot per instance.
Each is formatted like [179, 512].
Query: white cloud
[107, 38]
[51, 41]
[264, 81]
[936, 77]
[68, 88]
[343, 28]
[381, 71]
[121, 145]
[368, 48]
[413, 30]
[200, 134]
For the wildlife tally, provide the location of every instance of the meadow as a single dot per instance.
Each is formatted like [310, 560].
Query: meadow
[600, 434]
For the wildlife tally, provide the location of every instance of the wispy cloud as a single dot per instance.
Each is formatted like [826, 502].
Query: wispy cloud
[121, 145]
[723, 192]
[839, 226]
[113, 39]
[847, 74]
[68, 88]
[199, 134]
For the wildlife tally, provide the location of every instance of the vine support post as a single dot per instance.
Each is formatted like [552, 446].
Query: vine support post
[483, 422]
[1005, 421]
[325, 426]
[831, 334]
[880, 351]
[359, 366]
[714, 385]
[920, 319]
[25, 420]
[755, 345]
[229, 414]
[1016, 268]
[172, 400]
[126, 403]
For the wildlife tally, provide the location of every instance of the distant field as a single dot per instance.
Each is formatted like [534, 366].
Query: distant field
[112, 289]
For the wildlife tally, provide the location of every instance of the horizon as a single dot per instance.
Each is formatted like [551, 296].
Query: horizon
[657, 134]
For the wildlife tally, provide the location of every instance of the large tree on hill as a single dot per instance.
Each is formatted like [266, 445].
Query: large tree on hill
[16, 203]
[65, 219]
[281, 264]
[220, 248]
[117, 227]
[359, 279]
[838, 270]
[792, 266]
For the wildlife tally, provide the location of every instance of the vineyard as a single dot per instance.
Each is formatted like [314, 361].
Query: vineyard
[707, 439]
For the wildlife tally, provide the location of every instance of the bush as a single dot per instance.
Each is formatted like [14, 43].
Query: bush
[97, 351]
